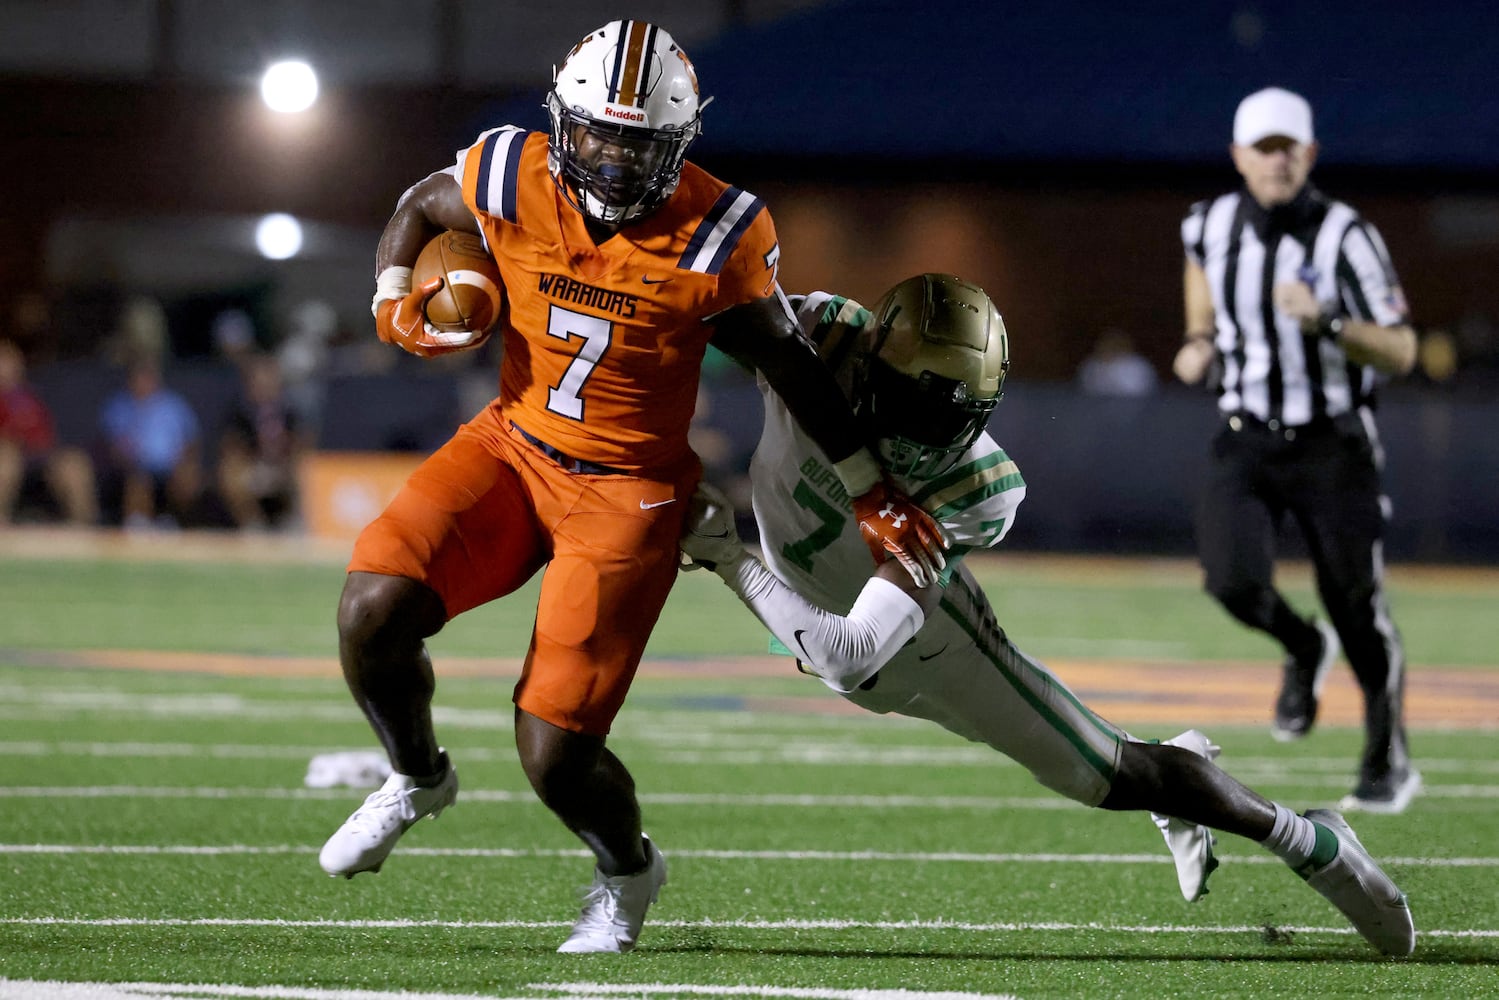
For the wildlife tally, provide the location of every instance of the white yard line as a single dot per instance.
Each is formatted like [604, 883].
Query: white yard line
[797, 993]
[961, 926]
[860, 857]
[527, 797]
[77, 706]
[524, 797]
[1456, 793]
[27, 989]
[708, 746]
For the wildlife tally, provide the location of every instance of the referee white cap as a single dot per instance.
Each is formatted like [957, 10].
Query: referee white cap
[1272, 111]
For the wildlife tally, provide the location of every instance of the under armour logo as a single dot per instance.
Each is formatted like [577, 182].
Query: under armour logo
[889, 511]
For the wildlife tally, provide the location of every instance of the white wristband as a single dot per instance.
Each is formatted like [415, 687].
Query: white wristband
[393, 283]
[859, 472]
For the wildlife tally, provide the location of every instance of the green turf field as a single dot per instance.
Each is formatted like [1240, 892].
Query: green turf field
[154, 827]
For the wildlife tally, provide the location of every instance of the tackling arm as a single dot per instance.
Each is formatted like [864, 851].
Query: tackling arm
[763, 334]
[843, 651]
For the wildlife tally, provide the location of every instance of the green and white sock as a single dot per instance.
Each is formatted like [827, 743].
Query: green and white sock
[1299, 842]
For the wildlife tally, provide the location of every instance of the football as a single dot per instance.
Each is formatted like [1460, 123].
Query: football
[472, 297]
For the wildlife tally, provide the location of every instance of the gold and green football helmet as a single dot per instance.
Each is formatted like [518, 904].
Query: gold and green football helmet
[935, 355]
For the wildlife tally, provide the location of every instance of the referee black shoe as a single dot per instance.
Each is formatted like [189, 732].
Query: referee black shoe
[1301, 686]
[1388, 793]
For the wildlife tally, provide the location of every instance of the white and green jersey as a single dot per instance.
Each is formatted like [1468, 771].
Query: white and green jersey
[960, 670]
[807, 527]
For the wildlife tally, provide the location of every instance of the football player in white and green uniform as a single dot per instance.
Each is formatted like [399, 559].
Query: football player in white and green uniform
[924, 369]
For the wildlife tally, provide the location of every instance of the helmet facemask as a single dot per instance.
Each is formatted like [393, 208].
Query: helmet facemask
[921, 426]
[624, 107]
[614, 173]
[933, 370]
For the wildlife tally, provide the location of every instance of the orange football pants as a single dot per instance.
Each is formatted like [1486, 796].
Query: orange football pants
[488, 509]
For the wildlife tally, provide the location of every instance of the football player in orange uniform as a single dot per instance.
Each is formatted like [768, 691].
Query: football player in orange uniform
[622, 262]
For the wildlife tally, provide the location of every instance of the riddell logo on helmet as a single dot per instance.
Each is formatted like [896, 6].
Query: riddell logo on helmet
[630, 116]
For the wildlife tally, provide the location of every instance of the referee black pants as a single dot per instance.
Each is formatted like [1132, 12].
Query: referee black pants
[1327, 476]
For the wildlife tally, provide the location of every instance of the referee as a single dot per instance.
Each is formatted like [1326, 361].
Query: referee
[1293, 305]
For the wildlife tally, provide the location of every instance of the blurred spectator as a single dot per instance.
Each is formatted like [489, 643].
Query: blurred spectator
[30, 457]
[234, 336]
[142, 332]
[33, 326]
[1115, 368]
[152, 451]
[304, 360]
[352, 351]
[259, 450]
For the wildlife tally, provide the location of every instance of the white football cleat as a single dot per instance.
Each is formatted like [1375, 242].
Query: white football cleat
[367, 837]
[1361, 891]
[614, 908]
[1191, 844]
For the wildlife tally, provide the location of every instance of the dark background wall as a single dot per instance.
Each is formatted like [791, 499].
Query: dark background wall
[1045, 151]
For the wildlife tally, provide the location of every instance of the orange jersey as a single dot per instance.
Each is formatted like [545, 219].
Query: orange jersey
[603, 345]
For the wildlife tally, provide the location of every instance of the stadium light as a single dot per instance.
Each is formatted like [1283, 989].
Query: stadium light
[278, 236]
[289, 86]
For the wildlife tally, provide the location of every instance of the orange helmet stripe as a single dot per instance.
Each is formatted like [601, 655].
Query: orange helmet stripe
[632, 63]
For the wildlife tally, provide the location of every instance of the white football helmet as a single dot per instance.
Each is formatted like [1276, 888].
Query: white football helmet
[933, 359]
[624, 106]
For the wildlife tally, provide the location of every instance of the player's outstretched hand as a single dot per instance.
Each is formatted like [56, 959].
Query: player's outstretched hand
[403, 322]
[891, 523]
[710, 538]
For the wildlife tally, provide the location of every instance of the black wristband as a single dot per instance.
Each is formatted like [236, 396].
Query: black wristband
[1329, 327]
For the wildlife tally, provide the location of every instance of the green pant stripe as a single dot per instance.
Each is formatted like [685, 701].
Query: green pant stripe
[1016, 664]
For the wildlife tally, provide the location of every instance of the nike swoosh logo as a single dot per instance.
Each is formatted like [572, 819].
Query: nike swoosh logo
[797, 635]
[658, 503]
[646, 279]
[939, 652]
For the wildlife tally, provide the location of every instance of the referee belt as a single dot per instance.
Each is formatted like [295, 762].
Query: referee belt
[1243, 422]
[576, 466]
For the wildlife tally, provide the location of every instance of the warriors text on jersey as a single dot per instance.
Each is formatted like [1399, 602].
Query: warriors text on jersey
[603, 344]
[810, 536]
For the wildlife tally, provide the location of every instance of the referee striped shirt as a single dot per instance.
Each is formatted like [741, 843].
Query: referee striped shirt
[1269, 369]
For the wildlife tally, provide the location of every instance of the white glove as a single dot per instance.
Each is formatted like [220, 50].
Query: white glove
[709, 538]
